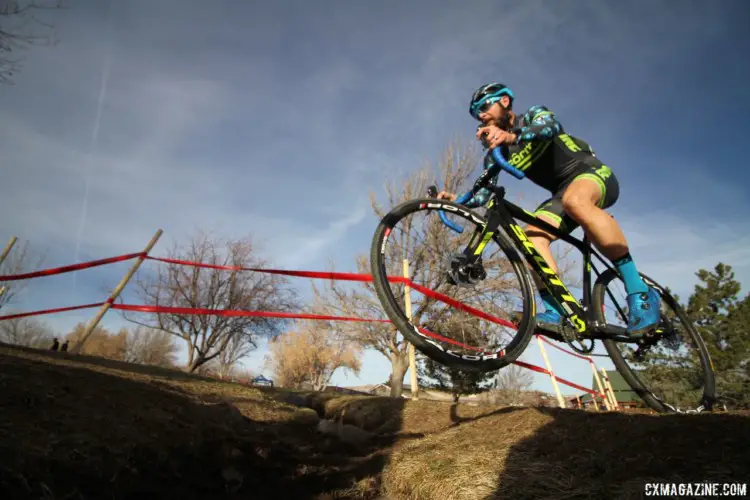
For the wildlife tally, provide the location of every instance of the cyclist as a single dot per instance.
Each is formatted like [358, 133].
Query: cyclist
[581, 186]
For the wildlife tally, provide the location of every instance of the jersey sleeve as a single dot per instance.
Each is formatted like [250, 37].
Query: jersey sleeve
[483, 195]
[538, 124]
[479, 199]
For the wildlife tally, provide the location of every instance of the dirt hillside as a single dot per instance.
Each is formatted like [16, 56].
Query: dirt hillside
[75, 427]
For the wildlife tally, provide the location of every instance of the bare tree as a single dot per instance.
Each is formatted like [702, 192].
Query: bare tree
[148, 346]
[235, 373]
[514, 378]
[26, 332]
[237, 348]
[512, 386]
[194, 287]
[310, 356]
[102, 342]
[17, 23]
[20, 260]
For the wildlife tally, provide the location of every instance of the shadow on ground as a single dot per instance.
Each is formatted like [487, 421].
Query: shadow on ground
[75, 430]
[576, 454]
[552, 453]
[79, 428]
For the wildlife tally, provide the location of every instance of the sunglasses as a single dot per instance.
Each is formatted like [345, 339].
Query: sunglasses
[486, 103]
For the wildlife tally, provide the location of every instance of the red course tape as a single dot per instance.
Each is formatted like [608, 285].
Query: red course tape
[565, 350]
[67, 269]
[270, 314]
[228, 313]
[49, 311]
[348, 277]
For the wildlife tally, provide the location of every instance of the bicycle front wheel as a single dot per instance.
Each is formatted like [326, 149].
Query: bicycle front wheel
[669, 369]
[461, 324]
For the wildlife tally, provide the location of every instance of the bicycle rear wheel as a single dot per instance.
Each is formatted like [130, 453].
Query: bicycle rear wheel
[679, 377]
[461, 325]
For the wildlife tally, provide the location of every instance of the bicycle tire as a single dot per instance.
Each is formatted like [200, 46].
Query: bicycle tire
[653, 401]
[392, 308]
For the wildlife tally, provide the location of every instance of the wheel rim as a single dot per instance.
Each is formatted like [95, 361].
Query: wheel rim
[671, 364]
[473, 321]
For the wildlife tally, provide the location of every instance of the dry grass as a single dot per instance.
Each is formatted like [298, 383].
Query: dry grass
[557, 454]
[78, 427]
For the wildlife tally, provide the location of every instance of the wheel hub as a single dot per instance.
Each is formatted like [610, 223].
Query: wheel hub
[464, 274]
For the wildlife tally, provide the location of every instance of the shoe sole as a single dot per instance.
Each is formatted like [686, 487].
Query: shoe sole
[643, 330]
[550, 327]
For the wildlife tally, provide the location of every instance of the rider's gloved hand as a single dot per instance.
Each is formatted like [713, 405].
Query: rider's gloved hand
[494, 136]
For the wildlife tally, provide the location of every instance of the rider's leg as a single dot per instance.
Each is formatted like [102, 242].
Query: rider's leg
[583, 201]
[542, 241]
[580, 202]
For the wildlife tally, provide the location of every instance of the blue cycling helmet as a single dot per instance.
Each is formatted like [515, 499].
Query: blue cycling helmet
[487, 95]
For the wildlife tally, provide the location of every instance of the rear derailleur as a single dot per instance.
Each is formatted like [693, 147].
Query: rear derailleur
[464, 274]
[666, 332]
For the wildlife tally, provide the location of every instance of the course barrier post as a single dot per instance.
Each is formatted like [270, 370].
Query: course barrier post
[115, 293]
[412, 350]
[552, 377]
[598, 380]
[7, 248]
[610, 390]
[5, 253]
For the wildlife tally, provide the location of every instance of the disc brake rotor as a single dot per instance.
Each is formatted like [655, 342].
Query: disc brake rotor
[462, 274]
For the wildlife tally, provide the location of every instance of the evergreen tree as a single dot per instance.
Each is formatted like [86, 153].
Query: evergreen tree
[723, 320]
[456, 381]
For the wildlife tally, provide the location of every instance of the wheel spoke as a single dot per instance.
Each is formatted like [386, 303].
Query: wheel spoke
[473, 319]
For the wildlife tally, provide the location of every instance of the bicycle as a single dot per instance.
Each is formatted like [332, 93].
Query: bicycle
[584, 321]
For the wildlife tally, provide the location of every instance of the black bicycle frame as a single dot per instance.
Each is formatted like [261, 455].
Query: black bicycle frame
[502, 213]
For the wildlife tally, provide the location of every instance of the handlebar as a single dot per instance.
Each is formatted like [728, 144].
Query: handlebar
[498, 157]
[482, 181]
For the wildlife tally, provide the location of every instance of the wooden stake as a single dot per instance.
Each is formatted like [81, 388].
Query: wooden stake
[412, 351]
[7, 248]
[605, 399]
[552, 377]
[610, 391]
[5, 253]
[116, 293]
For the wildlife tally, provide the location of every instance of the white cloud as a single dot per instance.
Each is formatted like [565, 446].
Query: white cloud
[671, 249]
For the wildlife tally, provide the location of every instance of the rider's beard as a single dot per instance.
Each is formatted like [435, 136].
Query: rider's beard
[506, 119]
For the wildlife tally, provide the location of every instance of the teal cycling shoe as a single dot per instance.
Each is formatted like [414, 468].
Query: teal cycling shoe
[549, 316]
[643, 311]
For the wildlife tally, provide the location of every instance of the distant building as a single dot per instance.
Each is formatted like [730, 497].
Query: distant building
[625, 396]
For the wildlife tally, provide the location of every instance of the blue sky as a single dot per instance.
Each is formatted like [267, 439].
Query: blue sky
[277, 119]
